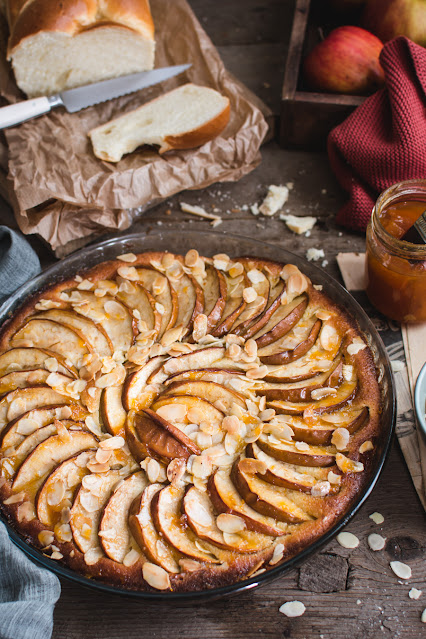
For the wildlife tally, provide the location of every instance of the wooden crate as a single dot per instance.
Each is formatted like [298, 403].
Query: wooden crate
[308, 117]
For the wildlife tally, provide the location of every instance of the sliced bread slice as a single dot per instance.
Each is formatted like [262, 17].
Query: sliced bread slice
[184, 118]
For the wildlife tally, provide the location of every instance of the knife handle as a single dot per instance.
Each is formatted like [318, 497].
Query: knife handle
[21, 111]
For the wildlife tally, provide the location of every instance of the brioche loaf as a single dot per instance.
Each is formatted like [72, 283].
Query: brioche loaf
[184, 118]
[61, 45]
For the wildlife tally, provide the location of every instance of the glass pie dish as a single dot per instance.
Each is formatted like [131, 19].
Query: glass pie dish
[209, 244]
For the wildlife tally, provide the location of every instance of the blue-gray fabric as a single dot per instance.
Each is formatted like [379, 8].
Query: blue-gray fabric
[28, 593]
[18, 262]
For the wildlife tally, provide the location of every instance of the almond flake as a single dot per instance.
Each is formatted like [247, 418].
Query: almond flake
[156, 576]
[200, 327]
[377, 518]
[249, 294]
[356, 346]
[112, 443]
[171, 336]
[56, 493]
[376, 542]
[257, 373]
[92, 556]
[56, 555]
[230, 523]
[333, 478]
[320, 393]
[340, 438]
[201, 467]
[348, 372]
[15, 499]
[236, 269]
[328, 337]
[292, 608]
[191, 258]
[414, 593]
[26, 426]
[189, 565]
[366, 446]
[131, 558]
[128, 273]
[347, 465]
[153, 469]
[348, 540]
[277, 554]
[103, 456]
[46, 537]
[302, 446]
[320, 489]
[252, 466]
[401, 570]
[176, 470]
[127, 257]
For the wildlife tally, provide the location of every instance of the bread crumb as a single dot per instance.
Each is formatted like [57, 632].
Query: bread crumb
[297, 224]
[314, 254]
[275, 199]
[254, 209]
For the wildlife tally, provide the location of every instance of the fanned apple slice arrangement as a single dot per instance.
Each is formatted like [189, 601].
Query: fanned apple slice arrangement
[178, 422]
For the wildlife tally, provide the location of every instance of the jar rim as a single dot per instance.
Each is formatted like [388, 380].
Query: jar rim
[395, 193]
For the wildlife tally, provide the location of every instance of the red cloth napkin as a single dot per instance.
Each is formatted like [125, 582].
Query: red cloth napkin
[384, 140]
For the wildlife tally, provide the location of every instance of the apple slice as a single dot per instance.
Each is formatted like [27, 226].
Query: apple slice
[291, 355]
[265, 499]
[67, 342]
[282, 321]
[93, 333]
[59, 488]
[23, 400]
[215, 292]
[202, 410]
[111, 410]
[200, 358]
[113, 528]
[207, 390]
[202, 519]
[226, 499]
[87, 509]
[218, 375]
[113, 315]
[321, 433]
[302, 391]
[163, 293]
[235, 304]
[16, 430]
[146, 535]
[345, 394]
[148, 435]
[31, 358]
[281, 473]
[46, 456]
[190, 292]
[134, 395]
[137, 297]
[253, 310]
[247, 330]
[167, 515]
[291, 453]
[34, 439]
[22, 379]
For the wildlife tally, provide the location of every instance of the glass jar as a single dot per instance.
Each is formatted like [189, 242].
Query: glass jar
[396, 269]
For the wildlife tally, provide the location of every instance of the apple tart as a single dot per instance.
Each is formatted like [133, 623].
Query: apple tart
[179, 423]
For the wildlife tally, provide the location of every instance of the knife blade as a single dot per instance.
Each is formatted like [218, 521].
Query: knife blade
[81, 97]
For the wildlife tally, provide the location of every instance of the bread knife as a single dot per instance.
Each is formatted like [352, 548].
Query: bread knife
[82, 97]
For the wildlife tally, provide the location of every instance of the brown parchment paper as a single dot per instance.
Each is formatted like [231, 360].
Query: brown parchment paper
[61, 191]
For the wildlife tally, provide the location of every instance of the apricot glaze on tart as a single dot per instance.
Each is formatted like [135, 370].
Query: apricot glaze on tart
[180, 423]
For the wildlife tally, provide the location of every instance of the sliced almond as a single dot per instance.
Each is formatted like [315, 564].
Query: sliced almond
[156, 576]
[230, 523]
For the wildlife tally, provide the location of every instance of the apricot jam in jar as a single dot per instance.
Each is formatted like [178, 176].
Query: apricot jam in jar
[396, 269]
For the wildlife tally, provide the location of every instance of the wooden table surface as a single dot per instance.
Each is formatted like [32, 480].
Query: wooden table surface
[347, 593]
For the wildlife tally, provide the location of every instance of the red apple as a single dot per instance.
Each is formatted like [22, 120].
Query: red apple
[347, 61]
[391, 18]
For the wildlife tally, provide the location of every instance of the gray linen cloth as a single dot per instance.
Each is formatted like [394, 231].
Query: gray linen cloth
[18, 262]
[28, 593]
